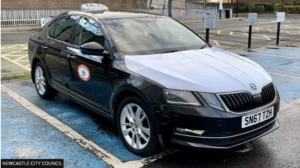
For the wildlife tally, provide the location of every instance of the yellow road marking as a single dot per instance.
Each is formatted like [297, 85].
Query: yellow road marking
[9, 54]
[20, 58]
[246, 35]
[23, 61]
[15, 62]
[266, 37]
[18, 52]
[231, 33]
[216, 42]
[230, 42]
[12, 45]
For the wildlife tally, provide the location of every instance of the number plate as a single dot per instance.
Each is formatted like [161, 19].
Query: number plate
[256, 118]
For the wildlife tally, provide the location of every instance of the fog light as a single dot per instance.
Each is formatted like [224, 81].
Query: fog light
[189, 131]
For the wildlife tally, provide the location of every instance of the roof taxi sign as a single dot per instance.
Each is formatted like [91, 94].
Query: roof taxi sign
[93, 7]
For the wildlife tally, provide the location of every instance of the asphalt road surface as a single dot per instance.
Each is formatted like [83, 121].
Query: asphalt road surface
[15, 38]
[234, 35]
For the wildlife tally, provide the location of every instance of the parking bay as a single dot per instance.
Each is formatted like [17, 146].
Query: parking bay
[26, 136]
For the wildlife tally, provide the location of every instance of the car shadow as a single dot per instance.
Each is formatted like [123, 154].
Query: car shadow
[105, 126]
[253, 154]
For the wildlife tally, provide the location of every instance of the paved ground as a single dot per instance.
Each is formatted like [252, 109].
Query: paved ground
[29, 131]
[233, 35]
[15, 38]
[14, 60]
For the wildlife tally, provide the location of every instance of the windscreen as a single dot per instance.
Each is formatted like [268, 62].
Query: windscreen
[150, 35]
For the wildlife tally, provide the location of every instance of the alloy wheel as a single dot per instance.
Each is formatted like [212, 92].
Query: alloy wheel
[135, 126]
[40, 80]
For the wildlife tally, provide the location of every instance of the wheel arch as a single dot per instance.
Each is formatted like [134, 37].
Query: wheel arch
[127, 91]
[34, 61]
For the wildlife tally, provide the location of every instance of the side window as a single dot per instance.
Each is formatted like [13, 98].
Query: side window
[64, 28]
[87, 30]
[51, 30]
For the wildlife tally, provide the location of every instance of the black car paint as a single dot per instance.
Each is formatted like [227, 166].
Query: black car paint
[166, 117]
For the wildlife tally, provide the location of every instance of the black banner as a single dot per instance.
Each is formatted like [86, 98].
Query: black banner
[35, 163]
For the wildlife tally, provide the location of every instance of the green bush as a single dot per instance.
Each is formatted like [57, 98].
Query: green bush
[292, 9]
[297, 3]
[251, 7]
[245, 8]
[260, 4]
[241, 9]
[277, 8]
[269, 7]
[297, 9]
[289, 3]
[259, 9]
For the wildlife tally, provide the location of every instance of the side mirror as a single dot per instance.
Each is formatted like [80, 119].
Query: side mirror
[93, 48]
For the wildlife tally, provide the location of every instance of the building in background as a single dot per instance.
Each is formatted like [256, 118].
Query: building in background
[65, 4]
[244, 1]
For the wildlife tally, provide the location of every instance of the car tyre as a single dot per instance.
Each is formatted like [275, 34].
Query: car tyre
[136, 127]
[42, 86]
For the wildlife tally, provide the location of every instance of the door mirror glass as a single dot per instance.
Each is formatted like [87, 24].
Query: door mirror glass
[92, 48]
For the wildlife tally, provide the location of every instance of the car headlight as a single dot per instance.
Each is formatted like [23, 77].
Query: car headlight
[212, 100]
[181, 97]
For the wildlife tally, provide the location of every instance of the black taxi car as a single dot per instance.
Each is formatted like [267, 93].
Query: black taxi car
[158, 81]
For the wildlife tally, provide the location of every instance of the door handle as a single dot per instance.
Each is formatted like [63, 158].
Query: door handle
[45, 47]
[71, 56]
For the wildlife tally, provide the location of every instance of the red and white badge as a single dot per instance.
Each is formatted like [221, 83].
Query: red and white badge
[83, 72]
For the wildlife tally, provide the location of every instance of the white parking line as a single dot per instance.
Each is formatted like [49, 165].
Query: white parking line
[271, 55]
[296, 102]
[296, 77]
[88, 145]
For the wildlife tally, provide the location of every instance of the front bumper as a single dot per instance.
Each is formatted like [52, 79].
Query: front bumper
[222, 130]
[226, 142]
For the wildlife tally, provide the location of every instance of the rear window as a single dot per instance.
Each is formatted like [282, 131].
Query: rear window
[51, 30]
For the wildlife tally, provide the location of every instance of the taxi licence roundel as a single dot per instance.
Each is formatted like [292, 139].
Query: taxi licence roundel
[83, 72]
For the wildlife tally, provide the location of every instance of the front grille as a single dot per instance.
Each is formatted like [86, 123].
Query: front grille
[240, 102]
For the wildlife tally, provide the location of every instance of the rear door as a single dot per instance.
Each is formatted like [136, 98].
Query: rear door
[89, 75]
[55, 48]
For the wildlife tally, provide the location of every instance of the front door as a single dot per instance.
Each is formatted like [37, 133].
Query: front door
[89, 75]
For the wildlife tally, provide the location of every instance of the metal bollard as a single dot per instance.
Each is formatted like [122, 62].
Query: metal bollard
[207, 35]
[249, 36]
[278, 33]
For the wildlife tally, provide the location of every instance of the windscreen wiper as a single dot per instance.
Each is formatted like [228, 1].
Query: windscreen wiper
[205, 45]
